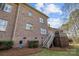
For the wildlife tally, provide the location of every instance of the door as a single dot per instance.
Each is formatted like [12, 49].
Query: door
[21, 45]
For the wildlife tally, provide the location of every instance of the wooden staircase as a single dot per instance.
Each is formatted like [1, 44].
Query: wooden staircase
[57, 39]
[48, 41]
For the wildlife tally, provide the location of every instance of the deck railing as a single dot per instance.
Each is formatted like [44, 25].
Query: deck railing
[48, 41]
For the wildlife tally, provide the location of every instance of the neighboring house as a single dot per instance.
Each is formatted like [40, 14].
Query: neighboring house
[21, 22]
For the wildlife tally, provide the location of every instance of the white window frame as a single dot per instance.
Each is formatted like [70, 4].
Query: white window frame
[41, 20]
[3, 25]
[29, 26]
[7, 8]
[43, 31]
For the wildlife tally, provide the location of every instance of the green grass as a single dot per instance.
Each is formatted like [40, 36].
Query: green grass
[77, 51]
[46, 52]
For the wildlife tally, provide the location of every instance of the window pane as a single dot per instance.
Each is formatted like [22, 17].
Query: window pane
[41, 20]
[7, 8]
[3, 25]
[30, 13]
[2, 22]
[43, 31]
[29, 26]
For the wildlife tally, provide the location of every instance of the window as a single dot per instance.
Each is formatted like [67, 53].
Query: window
[2, 6]
[35, 37]
[24, 37]
[43, 31]
[41, 20]
[3, 25]
[5, 7]
[28, 26]
[29, 13]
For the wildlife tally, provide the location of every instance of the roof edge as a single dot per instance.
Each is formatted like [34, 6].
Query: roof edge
[36, 10]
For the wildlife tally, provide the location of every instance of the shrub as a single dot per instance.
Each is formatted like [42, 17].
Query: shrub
[70, 40]
[33, 44]
[5, 44]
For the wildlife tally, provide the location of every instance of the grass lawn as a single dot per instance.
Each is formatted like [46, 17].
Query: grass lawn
[46, 52]
[77, 51]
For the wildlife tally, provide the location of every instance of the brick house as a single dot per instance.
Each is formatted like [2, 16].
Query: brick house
[7, 20]
[21, 22]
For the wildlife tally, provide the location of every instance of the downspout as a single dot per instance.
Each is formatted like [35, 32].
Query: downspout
[14, 31]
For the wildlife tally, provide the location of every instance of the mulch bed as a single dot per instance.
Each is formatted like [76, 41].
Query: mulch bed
[19, 52]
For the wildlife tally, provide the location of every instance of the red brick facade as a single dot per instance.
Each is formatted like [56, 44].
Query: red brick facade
[17, 20]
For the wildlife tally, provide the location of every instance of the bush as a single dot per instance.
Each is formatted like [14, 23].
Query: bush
[33, 44]
[70, 40]
[5, 44]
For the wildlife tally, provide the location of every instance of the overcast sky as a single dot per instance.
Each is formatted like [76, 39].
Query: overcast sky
[56, 14]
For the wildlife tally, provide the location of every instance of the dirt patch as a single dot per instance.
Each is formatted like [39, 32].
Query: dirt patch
[19, 52]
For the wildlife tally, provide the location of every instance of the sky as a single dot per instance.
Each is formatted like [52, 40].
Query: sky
[54, 11]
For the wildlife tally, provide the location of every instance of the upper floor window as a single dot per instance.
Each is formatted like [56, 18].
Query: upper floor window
[3, 25]
[30, 13]
[29, 26]
[41, 20]
[43, 31]
[2, 6]
[5, 7]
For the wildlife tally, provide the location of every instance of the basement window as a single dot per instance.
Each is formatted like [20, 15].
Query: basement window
[35, 37]
[24, 37]
[3, 25]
